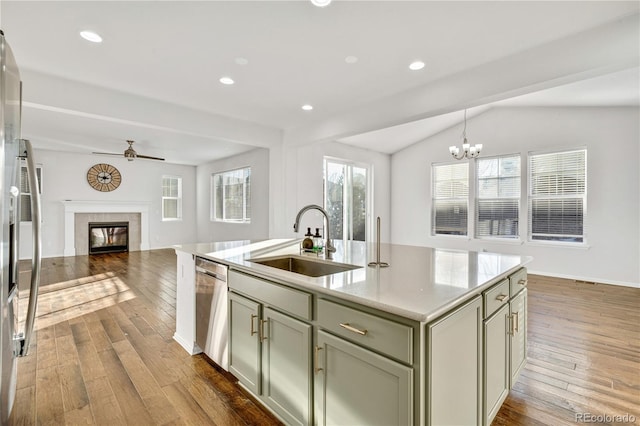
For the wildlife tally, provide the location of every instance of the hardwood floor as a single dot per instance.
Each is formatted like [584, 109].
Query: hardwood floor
[104, 353]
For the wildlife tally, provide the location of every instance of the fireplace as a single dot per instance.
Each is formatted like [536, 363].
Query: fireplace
[108, 237]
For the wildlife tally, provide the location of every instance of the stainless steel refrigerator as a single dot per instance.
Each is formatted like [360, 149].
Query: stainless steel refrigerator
[13, 153]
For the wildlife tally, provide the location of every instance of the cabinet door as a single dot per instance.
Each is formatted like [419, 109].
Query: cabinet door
[354, 386]
[454, 370]
[244, 342]
[286, 366]
[518, 340]
[496, 362]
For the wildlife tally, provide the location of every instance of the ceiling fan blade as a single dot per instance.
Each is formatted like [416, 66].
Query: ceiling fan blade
[107, 153]
[149, 157]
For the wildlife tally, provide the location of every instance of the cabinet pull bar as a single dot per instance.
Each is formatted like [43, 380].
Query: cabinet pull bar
[347, 326]
[511, 325]
[516, 320]
[501, 297]
[262, 333]
[316, 369]
[523, 281]
[252, 330]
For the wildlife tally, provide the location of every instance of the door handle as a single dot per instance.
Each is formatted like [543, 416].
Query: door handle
[263, 336]
[501, 297]
[316, 351]
[351, 328]
[252, 330]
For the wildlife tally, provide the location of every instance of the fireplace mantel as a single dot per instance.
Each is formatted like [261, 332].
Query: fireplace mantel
[71, 207]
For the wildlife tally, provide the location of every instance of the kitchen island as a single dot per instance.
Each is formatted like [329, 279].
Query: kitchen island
[429, 340]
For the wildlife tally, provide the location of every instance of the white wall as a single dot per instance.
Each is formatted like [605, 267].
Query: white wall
[303, 183]
[64, 177]
[208, 230]
[612, 139]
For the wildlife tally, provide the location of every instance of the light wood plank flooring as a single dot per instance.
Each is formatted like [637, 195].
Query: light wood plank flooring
[104, 353]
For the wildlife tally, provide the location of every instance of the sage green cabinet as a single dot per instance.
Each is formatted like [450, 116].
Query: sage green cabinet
[355, 386]
[454, 367]
[270, 356]
[518, 335]
[244, 342]
[496, 362]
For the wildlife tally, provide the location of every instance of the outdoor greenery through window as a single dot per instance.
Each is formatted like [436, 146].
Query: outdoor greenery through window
[346, 198]
[498, 196]
[232, 195]
[450, 202]
[171, 198]
[25, 191]
[557, 196]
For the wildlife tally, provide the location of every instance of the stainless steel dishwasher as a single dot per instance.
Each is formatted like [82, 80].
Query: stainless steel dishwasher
[212, 334]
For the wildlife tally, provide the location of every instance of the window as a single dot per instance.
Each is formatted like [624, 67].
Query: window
[345, 199]
[498, 196]
[450, 199]
[171, 198]
[25, 191]
[232, 196]
[557, 196]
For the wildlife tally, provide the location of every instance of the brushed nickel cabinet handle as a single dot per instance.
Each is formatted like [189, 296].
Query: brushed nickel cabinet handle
[316, 369]
[252, 330]
[501, 297]
[511, 325]
[349, 327]
[263, 336]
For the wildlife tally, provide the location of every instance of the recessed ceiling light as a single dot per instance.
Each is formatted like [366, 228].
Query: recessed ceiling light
[351, 59]
[91, 36]
[321, 3]
[242, 61]
[227, 80]
[417, 65]
[307, 107]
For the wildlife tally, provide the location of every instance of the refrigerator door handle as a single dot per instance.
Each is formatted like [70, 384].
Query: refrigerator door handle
[37, 247]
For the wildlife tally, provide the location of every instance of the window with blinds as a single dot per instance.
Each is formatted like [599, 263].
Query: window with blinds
[450, 202]
[171, 198]
[25, 191]
[557, 196]
[232, 196]
[498, 196]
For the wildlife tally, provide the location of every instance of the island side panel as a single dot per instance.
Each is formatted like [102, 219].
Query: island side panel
[185, 333]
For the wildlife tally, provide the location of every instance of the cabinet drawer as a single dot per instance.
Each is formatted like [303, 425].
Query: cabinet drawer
[517, 281]
[380, 334]
[495, 297]
[278, 296]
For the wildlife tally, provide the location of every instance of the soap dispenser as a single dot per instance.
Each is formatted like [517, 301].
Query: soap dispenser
[307, 243]
[317, 241]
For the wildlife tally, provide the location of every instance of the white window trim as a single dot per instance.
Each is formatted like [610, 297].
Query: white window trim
[212, 208]
[550, 243]
[23, 163]
[523, 182]
[471, 210]
[178, 198]
[369, 203]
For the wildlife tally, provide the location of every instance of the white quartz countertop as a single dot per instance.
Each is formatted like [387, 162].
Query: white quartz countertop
[421, 283]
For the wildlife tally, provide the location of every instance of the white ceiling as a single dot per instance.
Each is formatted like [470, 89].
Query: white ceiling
[155, 77]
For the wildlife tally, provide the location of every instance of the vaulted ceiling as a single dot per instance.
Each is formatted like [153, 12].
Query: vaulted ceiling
[155, 77]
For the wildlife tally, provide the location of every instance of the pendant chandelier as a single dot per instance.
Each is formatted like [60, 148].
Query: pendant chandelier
[467, 151]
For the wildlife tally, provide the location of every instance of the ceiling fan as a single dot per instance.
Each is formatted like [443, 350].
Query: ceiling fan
[130, 153]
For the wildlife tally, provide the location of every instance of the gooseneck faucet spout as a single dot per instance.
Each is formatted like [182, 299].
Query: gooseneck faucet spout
[329, 248]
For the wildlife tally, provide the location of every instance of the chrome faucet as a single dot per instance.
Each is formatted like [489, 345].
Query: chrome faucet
[329, 248]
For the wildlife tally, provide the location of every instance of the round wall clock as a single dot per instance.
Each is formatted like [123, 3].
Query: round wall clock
[104, 177]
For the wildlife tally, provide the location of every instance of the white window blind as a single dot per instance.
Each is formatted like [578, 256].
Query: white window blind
[450, 194]
[171, 198]
[498, 196]
[232, 196]
[557, 196]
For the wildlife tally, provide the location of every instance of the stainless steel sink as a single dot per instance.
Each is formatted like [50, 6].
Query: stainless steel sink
[308, 267]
